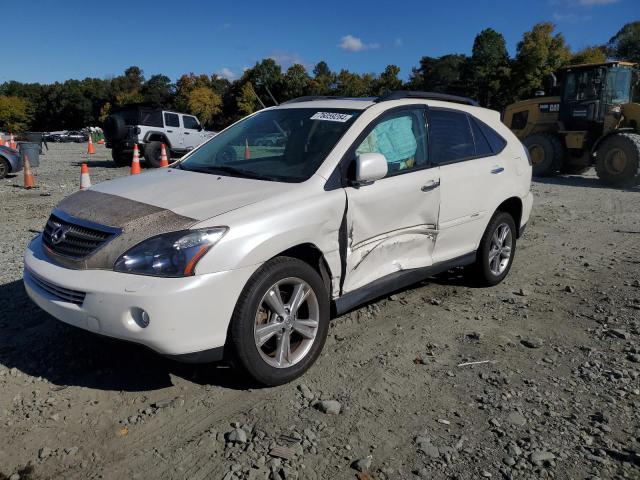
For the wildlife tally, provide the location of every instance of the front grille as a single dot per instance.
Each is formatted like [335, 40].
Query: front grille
[74, 238]
[61, 293]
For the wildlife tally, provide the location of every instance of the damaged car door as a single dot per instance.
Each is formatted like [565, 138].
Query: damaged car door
[392, 223]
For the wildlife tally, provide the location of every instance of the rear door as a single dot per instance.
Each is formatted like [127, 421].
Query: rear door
[392, 223]
[173, 130]
[192, 131]
[471, 178]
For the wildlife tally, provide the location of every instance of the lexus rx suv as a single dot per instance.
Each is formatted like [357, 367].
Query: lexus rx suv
[246, 247]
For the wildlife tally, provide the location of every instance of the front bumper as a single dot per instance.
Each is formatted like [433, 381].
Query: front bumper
[186, 315]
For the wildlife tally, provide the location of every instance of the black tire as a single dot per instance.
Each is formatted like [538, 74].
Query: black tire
[481, 270]
[152, 154]
[115, 128]
[120, 157]
[547, 153]
[618, 160]
[245, 352]
[4, 168]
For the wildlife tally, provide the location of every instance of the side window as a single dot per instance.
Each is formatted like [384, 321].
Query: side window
[496, 142]
[190, 122]
[171, 119]
[400, 138]
[450, 136]
[483, 149]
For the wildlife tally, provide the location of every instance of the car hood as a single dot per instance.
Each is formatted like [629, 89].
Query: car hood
[191, 194]
[139, 207]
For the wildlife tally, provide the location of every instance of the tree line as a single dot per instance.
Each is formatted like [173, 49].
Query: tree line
[489, 75]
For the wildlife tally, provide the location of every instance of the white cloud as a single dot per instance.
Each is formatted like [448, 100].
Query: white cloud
[226, 73]
[355, 44]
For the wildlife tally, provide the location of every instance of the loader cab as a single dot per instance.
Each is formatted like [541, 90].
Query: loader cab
[589, 92]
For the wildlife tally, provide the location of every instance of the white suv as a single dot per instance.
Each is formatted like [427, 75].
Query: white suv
[296, 213]
[149, 126]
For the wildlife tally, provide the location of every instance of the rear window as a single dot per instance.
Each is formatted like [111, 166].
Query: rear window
[138, 116]
[496, 141]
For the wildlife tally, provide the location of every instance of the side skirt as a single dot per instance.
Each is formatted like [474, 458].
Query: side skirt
[396, 281]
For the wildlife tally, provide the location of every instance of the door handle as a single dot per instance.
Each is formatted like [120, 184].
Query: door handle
[187, 133]
[497, 170]
[169, 131]
[431, 185]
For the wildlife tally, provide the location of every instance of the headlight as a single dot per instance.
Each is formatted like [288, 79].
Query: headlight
[173, 254]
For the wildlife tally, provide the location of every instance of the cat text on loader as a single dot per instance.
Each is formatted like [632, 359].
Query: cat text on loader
[593, 117]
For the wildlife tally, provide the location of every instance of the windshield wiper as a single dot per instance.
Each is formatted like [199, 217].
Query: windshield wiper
[236, 172]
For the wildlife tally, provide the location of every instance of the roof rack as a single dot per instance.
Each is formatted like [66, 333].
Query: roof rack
[400, 94]
[313, 98]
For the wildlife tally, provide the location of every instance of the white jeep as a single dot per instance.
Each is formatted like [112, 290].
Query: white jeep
[149, 127]
[298, 212]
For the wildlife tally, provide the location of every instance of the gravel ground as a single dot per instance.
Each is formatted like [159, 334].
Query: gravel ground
[395, 395]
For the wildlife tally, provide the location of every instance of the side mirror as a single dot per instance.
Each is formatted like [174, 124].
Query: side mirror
[200, 128]
[370, 167]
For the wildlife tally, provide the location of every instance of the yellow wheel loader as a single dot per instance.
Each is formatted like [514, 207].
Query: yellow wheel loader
[592, 118]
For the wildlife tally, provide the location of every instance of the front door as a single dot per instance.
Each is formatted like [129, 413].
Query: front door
[392, 223]
[192, 132]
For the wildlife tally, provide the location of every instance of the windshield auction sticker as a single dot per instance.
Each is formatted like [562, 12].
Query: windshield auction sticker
[331, 116]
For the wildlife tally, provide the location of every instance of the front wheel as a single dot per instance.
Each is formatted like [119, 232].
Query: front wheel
[497, 250]
[4, 168]
[280, 322]
[618, 160]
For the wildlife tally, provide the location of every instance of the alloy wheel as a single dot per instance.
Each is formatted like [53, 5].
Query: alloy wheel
[500, 249]
[286, 322]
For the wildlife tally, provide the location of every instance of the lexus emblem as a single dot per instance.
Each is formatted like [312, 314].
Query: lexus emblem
[58, 234]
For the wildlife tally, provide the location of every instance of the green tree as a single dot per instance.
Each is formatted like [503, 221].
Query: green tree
[323, 79]
[625, 45]
[246, 100]
[539, 53]
[443, 75]
[158, 89]
[353, 85]
[204, 103]
[589, 55]
[14, 114]
[488, 69]
[296, 82]
[388, 81]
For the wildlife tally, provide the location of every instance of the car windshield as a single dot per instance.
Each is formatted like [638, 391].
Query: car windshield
[285, 145]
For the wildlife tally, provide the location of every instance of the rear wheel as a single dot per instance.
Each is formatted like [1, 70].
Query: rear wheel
[547, 153]
[152, 153]
[496, 251]
[4, 168]
[280, 322]
[618, 160]
[120, 157]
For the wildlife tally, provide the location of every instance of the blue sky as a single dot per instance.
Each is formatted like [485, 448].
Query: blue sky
[47, 41]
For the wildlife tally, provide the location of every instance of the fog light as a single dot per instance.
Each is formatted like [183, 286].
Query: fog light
[141, 317]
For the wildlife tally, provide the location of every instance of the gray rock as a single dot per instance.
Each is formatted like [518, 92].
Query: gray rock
[330, 407]
[619, 333]
[15, 476]
[44, 452]
[516, 418]
[362, 464]
[509, 461]
[306, 392]
[634, 357]
[570, 289]
[539, 458]
[237, 436]
[430, 450]
[532, 342]
[71, 450]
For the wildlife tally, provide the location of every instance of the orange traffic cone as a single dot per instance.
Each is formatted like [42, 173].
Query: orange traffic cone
[100, 142]
[247, 152]
[164, 161]
[12, 142]
[29, 181]
[85, 180]
[91, 149]
[1, 141]
[135, 164]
